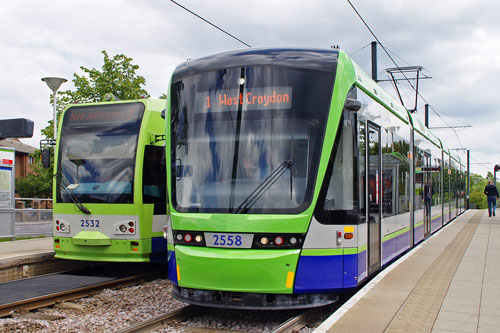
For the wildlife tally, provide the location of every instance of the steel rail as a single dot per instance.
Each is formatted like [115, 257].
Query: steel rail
[162, 320]
[300, 321]
[63, 296]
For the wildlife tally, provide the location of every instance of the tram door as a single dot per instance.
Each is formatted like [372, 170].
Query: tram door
[374, 198]
[427, 194]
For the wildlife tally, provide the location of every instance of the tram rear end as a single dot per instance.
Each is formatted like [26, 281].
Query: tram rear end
[109, 190]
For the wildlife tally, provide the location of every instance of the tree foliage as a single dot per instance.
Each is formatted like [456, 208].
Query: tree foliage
[37, 184]
[118, 76]
[477, 197]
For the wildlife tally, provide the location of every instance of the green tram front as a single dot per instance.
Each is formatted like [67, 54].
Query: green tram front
[109, 187]
[246, 137]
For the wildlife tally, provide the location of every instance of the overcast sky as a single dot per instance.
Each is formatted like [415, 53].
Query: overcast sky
[456, 42]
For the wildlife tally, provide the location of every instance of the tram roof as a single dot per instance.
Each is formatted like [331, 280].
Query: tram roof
[320, 59]
[369, 86]
[366, 83]
[419, 127]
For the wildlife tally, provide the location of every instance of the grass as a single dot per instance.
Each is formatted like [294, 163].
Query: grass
[20, 238]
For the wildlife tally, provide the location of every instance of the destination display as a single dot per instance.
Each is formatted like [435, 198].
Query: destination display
[268, 98]
[101, 115]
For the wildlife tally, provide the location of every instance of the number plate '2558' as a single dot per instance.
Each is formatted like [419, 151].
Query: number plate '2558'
[241, 241]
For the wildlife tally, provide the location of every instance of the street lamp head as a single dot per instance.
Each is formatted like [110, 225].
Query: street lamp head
[54, 82]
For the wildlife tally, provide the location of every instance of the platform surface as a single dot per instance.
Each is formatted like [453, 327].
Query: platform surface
[450, 283]
[20, 249]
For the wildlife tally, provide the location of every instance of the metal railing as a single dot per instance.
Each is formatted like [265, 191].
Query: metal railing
[32, 217]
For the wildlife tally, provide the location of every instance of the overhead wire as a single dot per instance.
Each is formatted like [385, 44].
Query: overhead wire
[397, 66]
[361, 49]
[213, 25]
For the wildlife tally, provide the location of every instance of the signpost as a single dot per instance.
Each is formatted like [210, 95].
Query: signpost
[7, 203]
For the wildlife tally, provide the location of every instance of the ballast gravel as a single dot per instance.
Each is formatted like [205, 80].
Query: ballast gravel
[112, 310]
[107, 311]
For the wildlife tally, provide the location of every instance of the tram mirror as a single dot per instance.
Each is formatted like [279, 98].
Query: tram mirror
[352, 104]
[16, 128]
[46, 158]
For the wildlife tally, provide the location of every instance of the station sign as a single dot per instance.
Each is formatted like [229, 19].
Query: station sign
[7, 177]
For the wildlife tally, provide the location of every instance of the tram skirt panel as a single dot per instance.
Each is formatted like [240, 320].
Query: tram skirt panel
[321, 273]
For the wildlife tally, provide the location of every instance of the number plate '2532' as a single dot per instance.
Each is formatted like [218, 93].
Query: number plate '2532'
[89, 223]
[241, 241]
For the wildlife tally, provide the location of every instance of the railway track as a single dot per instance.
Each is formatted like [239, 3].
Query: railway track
[178, 317]
[66, 295]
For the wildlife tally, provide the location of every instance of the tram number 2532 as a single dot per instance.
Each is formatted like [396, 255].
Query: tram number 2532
[89, 223]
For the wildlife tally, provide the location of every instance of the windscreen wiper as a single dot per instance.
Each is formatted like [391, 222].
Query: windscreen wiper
[60, 177]
[263, 186]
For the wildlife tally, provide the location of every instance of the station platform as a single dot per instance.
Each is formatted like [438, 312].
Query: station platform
[449, 283]
[16, 250]
[32, 257]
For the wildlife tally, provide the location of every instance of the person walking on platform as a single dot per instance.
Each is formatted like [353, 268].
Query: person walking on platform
[491, 192]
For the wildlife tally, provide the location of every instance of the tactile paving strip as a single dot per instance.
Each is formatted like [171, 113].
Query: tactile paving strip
[421, 308]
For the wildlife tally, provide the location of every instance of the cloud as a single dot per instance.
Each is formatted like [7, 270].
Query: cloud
[456, 42]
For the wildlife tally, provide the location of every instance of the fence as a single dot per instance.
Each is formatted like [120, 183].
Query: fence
[31, 218]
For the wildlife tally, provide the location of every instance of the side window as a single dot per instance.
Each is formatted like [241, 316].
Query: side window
[338, 199]
[154, 177]
[389, 174]
[400, 154]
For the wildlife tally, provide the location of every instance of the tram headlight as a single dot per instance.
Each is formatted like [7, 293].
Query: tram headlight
[264, 240]
[191, 238]
[123, 228]
[188, 238]
[292, 240]
[278, 240]
[62, 226]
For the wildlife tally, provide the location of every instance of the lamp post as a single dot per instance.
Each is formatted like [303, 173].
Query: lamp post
[54, 83]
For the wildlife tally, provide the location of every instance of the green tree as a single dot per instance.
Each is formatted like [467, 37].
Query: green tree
[117, 76]
[477, 197]
[38, 184]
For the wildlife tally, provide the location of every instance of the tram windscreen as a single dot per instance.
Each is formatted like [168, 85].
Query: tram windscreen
[248, 139]
[97, 152]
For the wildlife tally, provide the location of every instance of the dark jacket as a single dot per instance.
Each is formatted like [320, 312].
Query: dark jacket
[491, 190]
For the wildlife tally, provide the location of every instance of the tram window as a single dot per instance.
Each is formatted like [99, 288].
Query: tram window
[419, 176]
[389, 175]
[340, 202]
[401, 149]
[436, 181]
[154, 176]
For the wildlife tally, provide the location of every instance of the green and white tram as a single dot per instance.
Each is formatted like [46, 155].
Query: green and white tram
[109, 184]
[292, 177]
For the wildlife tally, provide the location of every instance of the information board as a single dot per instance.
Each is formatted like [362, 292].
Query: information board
[7, 175]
